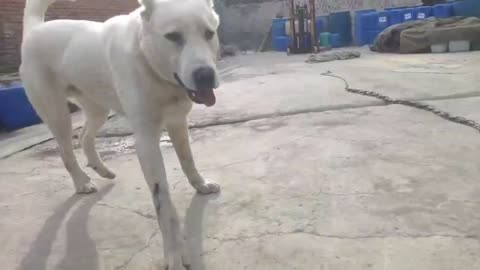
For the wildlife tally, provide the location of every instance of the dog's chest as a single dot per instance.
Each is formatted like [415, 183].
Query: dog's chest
[169, 101]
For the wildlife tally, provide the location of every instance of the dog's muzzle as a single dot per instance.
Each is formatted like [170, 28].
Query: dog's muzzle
[204, 79]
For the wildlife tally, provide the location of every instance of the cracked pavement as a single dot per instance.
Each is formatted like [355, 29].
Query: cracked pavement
[312, 177]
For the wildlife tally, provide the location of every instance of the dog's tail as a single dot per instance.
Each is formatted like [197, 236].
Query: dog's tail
[34, 14]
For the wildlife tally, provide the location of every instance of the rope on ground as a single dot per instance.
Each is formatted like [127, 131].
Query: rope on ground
[421, 106]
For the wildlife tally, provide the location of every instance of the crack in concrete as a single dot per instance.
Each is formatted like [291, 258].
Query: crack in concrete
[406, 102]
[230, 164]
[32, 172]
[448, 97]
[44, 191]
[283, 114]
[432, 72]
[278, 114]
[333, 194]
[340, 237]
[129, 260]
[137, 212]
[245, 119]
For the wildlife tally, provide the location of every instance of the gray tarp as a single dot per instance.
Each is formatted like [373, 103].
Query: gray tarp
[417, 36]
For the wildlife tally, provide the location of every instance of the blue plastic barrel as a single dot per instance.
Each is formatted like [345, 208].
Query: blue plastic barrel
[443, 10]
[360, 35]
[341, 23]
[383, 20]
[474, 7]
[423, 12]
[408, 14]
[281, 44]
[15, 109]
[372, 36]
[278, 27]
[308, 40]
[395, 16]
[460, 8]
[319, 25]
[370, 21]
[335, 40]
[369, 24]
[394, 8]
[467, 8]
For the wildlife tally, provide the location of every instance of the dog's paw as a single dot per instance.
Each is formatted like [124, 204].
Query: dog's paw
[87, 188]
[207, 187]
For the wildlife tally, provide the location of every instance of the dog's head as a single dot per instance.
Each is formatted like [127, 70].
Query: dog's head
[179, 40]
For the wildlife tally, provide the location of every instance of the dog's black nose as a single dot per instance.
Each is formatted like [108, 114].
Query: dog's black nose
[204, 78]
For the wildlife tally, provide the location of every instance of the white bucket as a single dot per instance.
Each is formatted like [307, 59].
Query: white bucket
[439, 48]
[459, 46]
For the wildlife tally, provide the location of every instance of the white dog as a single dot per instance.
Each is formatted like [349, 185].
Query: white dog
[149, 66]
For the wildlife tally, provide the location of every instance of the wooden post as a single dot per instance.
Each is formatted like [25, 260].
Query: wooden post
[292, 23]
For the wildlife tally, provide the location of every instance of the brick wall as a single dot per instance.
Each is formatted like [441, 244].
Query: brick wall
[11, 15]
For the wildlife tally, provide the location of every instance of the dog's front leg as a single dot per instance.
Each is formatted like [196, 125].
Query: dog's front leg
[178, 132]
[151, 161]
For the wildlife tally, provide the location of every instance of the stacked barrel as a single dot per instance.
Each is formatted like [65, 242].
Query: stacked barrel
[335, 29]
[369, 24]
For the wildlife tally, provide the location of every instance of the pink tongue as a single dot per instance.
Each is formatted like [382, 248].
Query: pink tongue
[207, 97]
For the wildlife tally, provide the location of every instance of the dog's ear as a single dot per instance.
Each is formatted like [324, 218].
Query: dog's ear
[148, 6]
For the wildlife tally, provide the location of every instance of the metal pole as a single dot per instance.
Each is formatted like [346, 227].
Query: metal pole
[313, 21]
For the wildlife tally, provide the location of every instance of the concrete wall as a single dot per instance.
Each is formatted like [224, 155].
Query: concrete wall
[246, 22]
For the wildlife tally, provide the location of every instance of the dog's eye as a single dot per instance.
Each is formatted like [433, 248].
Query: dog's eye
[175, 37]
[209, 34]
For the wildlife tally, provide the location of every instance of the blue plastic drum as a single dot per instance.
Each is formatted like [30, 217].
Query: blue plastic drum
[383, 20]
[278, 27]
[409, 14]
[335, 41]
[423, 12]
[15, 109]
[281, 44]
[443, 10]
[395, 16]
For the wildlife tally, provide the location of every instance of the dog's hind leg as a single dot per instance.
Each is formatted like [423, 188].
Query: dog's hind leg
[96, 116]
[50, 102]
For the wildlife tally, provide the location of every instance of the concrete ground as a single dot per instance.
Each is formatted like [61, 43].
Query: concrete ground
[312, 177]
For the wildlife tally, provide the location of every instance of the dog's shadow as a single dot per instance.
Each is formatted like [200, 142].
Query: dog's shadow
[81, 252]
[194, 229]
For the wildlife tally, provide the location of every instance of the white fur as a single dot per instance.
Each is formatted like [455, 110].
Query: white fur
[126, 65]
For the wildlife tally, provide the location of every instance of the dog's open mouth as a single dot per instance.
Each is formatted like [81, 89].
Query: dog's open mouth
[200, 96]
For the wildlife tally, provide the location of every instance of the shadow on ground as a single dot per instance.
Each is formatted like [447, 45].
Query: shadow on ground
[194, 229]
[81, 252]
